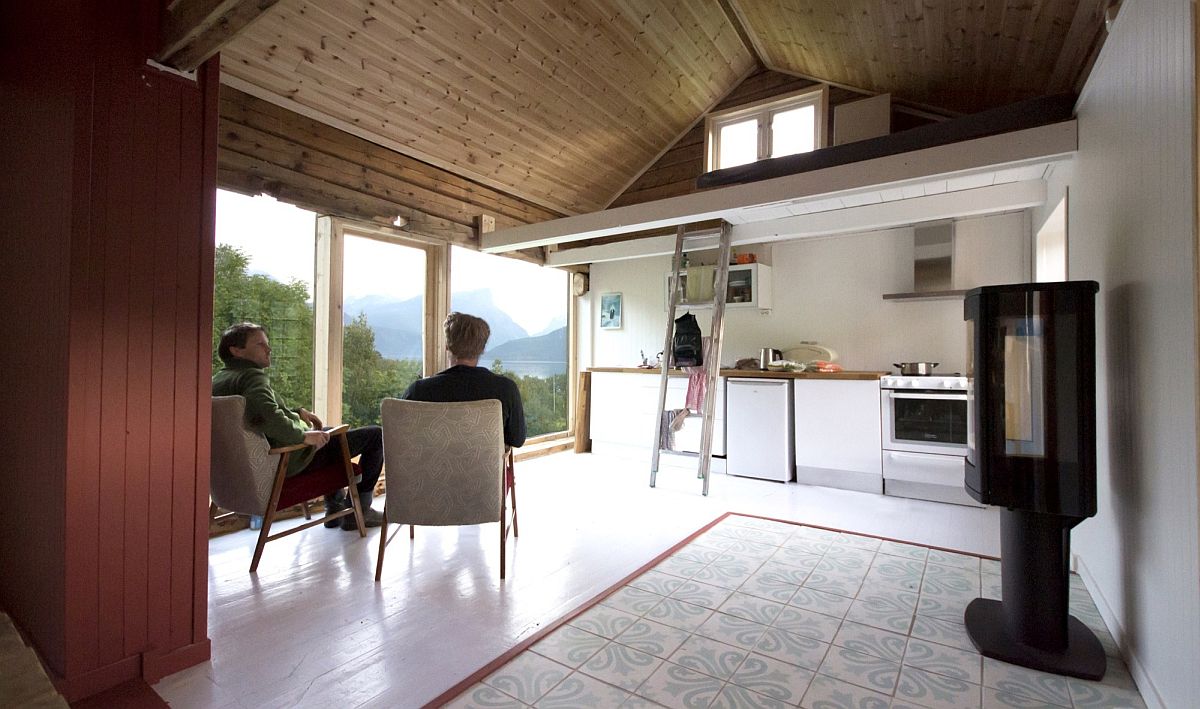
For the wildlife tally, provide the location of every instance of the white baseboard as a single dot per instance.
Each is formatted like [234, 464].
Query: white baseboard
[1145, 685]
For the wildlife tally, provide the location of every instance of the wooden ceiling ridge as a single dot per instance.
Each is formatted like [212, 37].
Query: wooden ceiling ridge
[191, 31]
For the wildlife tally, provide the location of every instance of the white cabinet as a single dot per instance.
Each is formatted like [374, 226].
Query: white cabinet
[623, 412]
[749, 287]
[837, 434]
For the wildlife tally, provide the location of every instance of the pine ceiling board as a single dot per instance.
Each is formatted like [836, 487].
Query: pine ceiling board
[957, 55]
[558, 102]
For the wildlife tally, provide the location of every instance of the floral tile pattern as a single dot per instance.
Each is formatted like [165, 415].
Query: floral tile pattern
[760, 613]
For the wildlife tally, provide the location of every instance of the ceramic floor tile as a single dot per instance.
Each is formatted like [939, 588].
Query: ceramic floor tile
[858, 541]
[946, 606]
[883, 613]
[604, 621]
[771, 586]
[795, 574]
[861, 669]
[943, 632]
[908, 551]
[569, 645]
[1025, 682]
[1094, 695]
[527, 677]
[657, 582]
[732, 630]
[762, 536]
[750, 551]
[791, 648]
[839, 582]
[944, 660]
[936, 691]
[895, 572]
[774, 678]
[809, 623]
[825, 535]
[950, 558]
[949, 580]
[678, 614]
[636, 702]
[703, 553]
[683, 568]
[653, 638]
[708, 656]
[621, 666]
[786, 528]
[730, 574]
[989, 566]
[883, 644]
[821, 602]
[753, 608]
[735, 697]
[680, 688]
[701, 594]
[632, 600]
[990, 586]
[828, 693]
[579, 691]
[846, 559]
[995, 699]
[482, 696]
[800, 547]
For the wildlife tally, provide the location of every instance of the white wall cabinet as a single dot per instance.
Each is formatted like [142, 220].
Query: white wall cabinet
[749, 287]
[623, 411]
[837, 434]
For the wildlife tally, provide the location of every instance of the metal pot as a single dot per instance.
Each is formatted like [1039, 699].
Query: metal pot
[768, 355]
[915, 369]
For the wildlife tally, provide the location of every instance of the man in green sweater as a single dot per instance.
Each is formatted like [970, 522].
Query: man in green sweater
[246, 353]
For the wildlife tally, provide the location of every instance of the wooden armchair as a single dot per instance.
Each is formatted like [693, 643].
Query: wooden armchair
[446, 464]
[249, 476]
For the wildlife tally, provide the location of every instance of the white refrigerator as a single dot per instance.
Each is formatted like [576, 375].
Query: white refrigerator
[758, 425]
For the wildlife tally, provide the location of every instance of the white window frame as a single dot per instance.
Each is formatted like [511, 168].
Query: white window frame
[763, 111]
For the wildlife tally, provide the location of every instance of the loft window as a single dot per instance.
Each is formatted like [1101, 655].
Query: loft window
[768, 129]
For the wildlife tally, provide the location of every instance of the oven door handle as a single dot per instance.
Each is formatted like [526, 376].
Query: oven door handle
[936, 395]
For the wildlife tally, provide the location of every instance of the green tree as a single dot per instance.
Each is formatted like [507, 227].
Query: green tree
[543, 398]
[367, 376]
[282, 308]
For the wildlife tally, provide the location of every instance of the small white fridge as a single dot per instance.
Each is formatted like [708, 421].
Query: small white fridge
[758, 425]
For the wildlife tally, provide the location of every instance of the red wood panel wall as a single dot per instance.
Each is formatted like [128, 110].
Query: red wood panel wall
[123, 589]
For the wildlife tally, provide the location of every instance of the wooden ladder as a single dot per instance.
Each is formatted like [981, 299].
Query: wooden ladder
[712, 358]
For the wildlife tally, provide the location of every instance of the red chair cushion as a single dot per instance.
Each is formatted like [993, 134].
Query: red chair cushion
[314, 483]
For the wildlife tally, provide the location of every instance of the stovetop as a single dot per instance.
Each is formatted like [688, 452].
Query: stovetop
[949, 383]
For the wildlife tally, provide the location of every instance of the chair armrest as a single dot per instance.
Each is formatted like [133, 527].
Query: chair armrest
[288, 449]
[338, 430]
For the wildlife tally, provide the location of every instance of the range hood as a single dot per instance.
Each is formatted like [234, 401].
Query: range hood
[933, 262]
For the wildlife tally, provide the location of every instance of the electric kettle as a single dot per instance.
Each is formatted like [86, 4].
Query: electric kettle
[768, 355]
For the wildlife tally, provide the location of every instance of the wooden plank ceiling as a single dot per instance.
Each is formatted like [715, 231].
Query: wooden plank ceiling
[563, 103]
[959, 56]
[566, 104]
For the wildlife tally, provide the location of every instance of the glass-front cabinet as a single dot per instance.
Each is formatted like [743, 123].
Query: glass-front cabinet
[749, 287]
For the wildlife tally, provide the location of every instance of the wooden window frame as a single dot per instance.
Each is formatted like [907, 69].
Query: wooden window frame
[763, 111]
[328, 300]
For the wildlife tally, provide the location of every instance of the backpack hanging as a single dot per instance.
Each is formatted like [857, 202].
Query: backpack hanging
[687, 346]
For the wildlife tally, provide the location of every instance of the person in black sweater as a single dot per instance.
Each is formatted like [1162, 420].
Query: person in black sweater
[465, 380]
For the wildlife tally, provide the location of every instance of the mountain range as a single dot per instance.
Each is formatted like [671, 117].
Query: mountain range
[397, 326]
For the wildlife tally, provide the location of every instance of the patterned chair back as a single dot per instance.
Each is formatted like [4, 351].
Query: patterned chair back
[444, 462]
[243, 469]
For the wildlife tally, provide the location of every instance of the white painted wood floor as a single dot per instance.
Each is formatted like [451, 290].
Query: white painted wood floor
[313, 628]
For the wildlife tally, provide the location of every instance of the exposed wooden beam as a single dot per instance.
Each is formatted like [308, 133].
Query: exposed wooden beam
[1008, 150]
[872, 217]
[749, 40]
[194, 30]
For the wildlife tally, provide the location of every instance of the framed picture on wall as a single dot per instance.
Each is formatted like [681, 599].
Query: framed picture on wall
[610, 311]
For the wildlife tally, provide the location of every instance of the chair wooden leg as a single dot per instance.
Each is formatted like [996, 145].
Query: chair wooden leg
[269, 515]
[412, 531]
[355, 501]
[503, 538]
[512, 491]
[304, 508]
[382, 547]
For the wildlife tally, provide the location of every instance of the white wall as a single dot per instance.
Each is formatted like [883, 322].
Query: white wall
[826, 290]
[1131, 227]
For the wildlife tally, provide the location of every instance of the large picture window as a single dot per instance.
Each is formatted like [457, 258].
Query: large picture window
[264, 274]
[770, 129]
[526, 307]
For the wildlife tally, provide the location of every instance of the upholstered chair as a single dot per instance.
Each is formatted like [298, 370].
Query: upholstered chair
[446, 464]
[249, 476]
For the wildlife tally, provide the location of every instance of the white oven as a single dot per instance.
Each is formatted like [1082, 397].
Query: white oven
[926, 427]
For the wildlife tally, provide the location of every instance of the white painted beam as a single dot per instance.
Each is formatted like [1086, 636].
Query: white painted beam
[992, 199]
[975, 159]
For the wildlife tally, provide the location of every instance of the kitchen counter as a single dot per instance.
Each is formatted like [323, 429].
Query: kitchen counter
[756, 373]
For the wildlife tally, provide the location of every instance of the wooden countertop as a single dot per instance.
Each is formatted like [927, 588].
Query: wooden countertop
[754, 373]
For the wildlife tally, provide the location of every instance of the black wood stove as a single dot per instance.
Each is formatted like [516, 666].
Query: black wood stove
[1034, 454]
